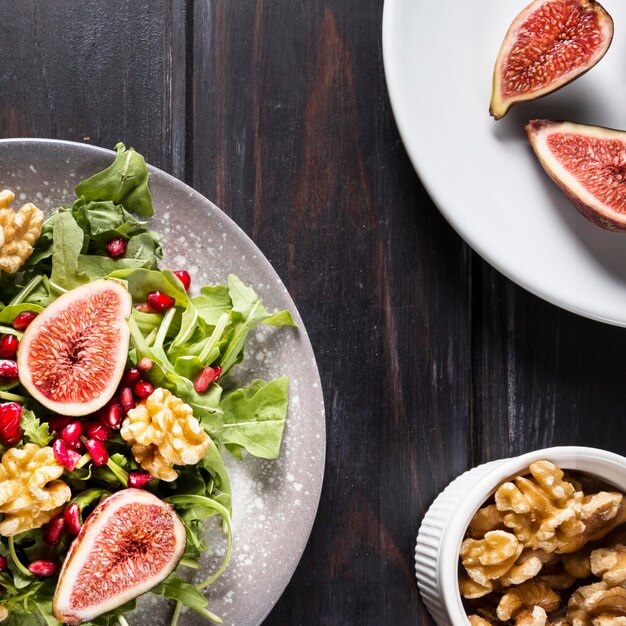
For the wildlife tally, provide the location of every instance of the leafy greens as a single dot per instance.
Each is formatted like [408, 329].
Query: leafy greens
[206, 330]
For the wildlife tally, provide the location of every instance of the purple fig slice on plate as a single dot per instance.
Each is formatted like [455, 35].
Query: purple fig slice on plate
[549, 44]
[129, 544]
[588, 163]
[72, 356]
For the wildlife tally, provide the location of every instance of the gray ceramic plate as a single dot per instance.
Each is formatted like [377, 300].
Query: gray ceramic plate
[274, 502]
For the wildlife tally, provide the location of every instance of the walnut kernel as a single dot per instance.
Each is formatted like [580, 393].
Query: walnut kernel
[30, 492]
[18, 232]
[163, 432]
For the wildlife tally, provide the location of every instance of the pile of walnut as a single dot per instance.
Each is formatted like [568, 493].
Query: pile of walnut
[545, 553]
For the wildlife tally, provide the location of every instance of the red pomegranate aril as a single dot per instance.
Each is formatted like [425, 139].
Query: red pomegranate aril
[184, 277]
[111, 414]
[116, 247]
[65, 456]
[71, 434]
[206, 378]
[45, 569]
[10, 416]
[138, 480]
[10, 439]
[4, 564]
[131, 375]
[52, 531]
[144, 307]
[127, 400]
[143, 389]
[23, 320]
[57, 423]
[9, 345]
[145, 364]
[160, 301]
[98, 452]
[72, 519]
[96, 430]
[8, 368]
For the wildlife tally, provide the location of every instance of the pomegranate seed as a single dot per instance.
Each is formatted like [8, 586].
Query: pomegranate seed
[10, 439]
[58, 422]
[65, 456]
[138, 480]
[144, 307]
[116, 247]
[96, 430]
[130, 376]
[72, 519]
[127, 399]
[143, 389]
[206, 377]
[99, 454]
[160, 301]
[10, 416]
[23, 320]
[52, 531]
[8, 345]
[184, 277]
[71, 435]
[3, 564]
[45, 569]
[111, 414]
[59, 447]
[145, 364]
[8, 368]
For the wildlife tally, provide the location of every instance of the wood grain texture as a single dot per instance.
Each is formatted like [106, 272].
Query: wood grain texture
[543, 376]
[91, 71]
[294, 138]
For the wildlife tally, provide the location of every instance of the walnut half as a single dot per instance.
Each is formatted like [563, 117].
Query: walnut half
[19, 230]
[163, 432]
[30, 492]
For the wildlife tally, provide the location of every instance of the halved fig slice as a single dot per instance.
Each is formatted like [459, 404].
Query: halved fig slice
[588, 163]
[549, 44]
[72, 356]
[129, 544]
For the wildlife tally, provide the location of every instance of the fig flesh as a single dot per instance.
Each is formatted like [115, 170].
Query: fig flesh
[549, 44]
[588, 163]
[129, 544]
[72, 356]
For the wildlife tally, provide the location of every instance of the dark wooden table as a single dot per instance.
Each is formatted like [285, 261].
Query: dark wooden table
[431, 361]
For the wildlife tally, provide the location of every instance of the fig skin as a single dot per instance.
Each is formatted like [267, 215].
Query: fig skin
[80, 558]
[40, 328]
[588, 205]
[500, 103]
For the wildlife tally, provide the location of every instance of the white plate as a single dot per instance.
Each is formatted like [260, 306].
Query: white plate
[482, 174]
[274, 502]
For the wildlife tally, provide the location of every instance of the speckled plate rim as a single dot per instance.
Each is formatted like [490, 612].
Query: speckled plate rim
[233, 229]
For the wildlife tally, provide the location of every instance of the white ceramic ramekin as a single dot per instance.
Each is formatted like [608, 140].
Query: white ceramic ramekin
[444, 525]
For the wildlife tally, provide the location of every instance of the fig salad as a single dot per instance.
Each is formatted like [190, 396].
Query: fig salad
[115, 408]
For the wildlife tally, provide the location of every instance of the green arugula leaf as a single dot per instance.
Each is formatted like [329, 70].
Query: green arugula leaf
[212, 302]
[176, 589]
[282, 318]
[247, 313]
[105, 219]
[9, 313]
[124, 182]
[142, 281]
[254, 417]
[68, 243]
[34, 430]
